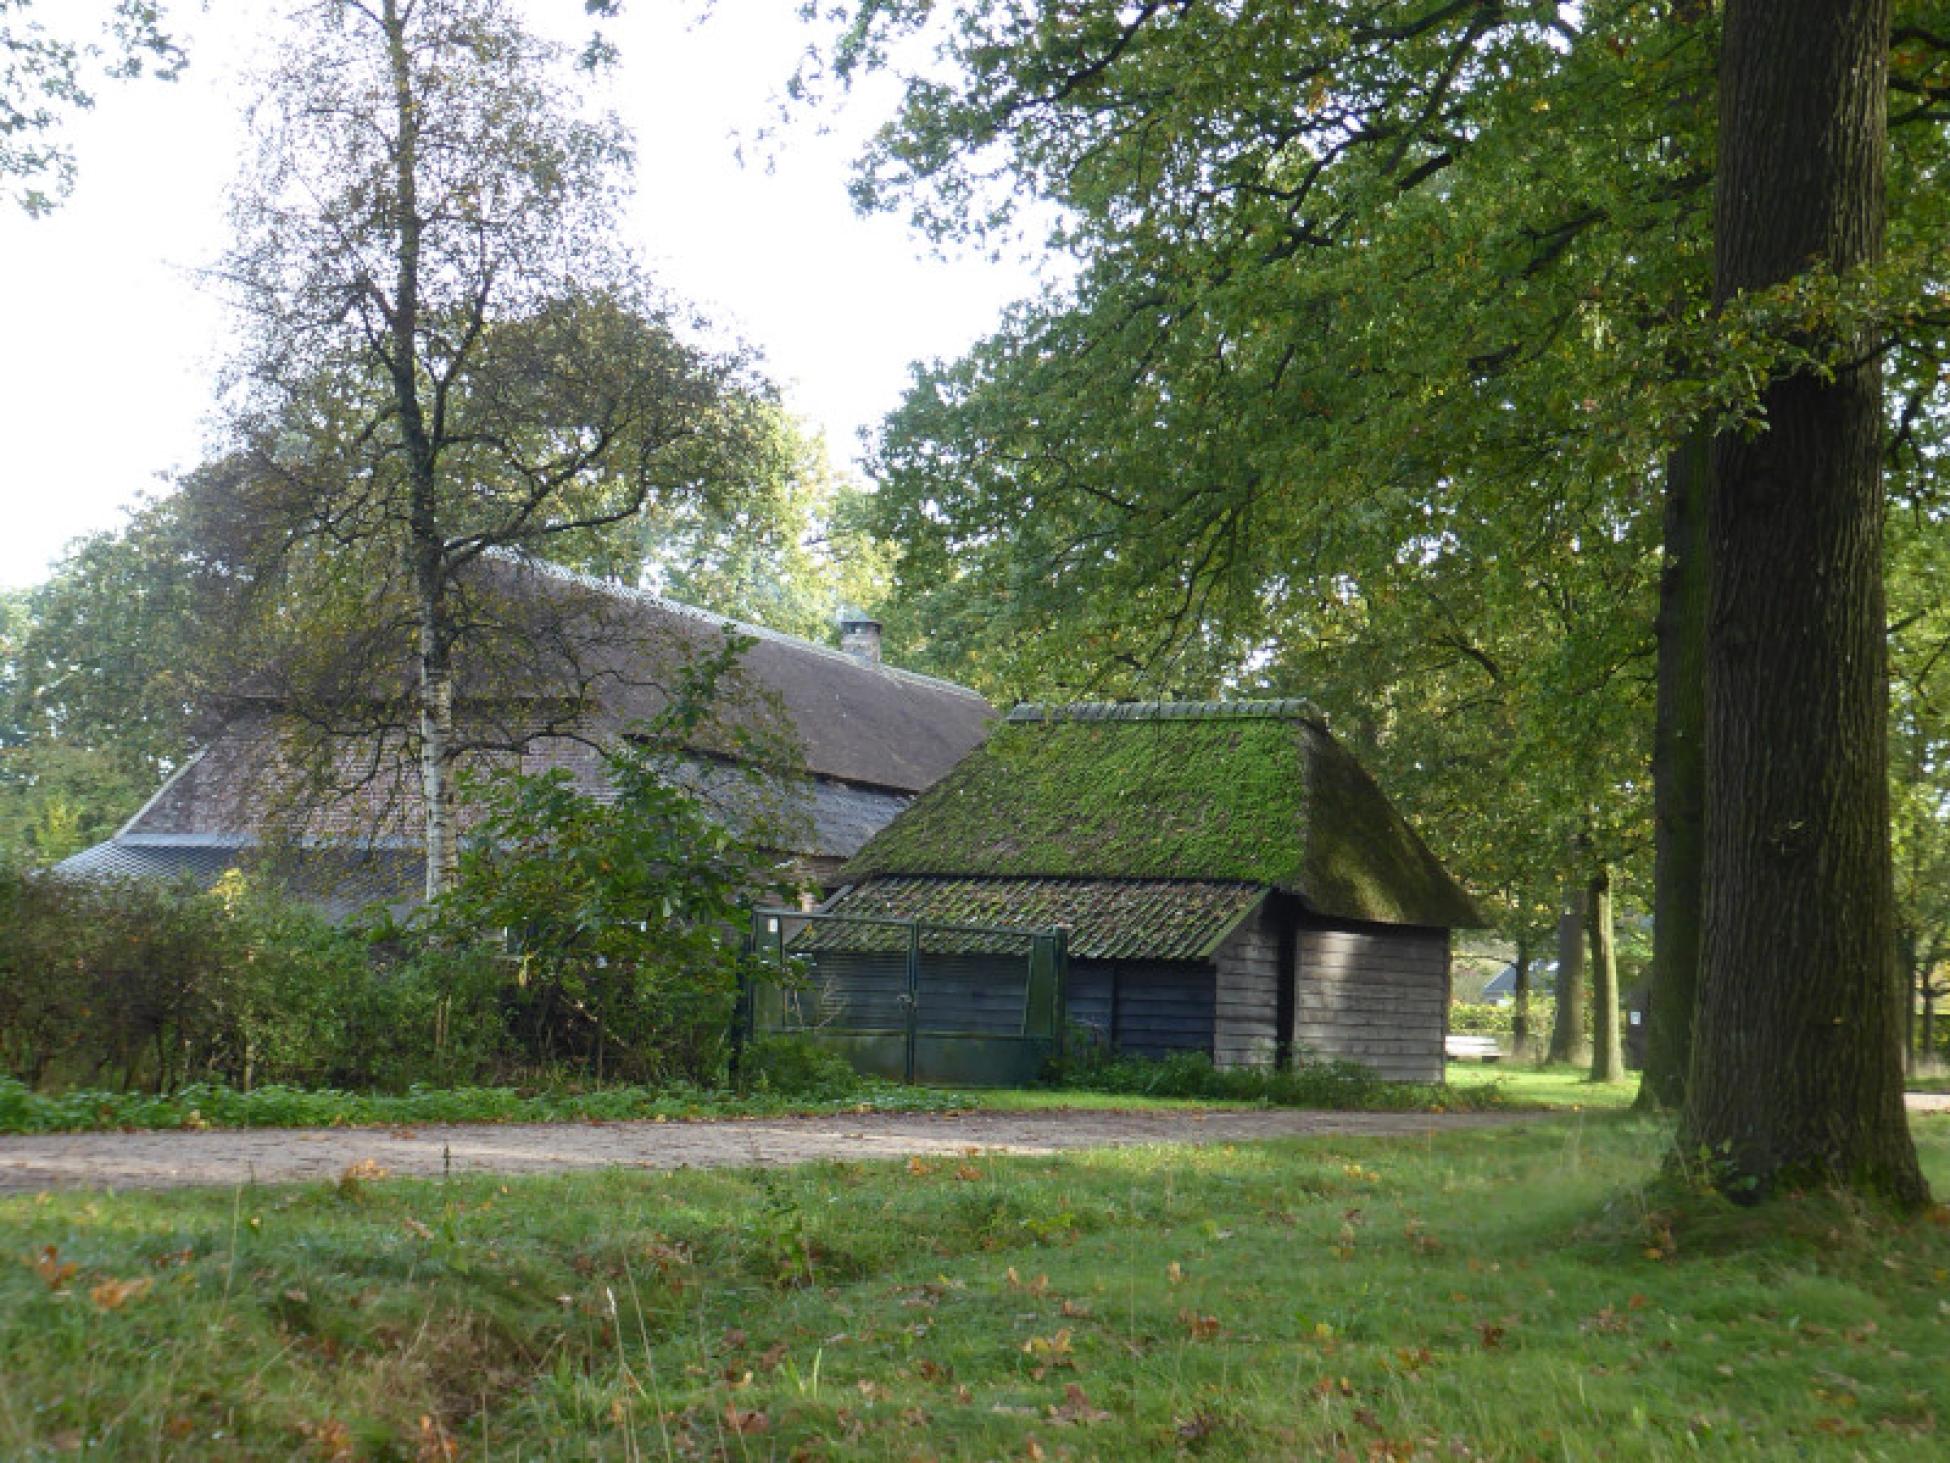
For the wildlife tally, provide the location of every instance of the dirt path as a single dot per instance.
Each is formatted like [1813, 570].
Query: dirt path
[284, 1155]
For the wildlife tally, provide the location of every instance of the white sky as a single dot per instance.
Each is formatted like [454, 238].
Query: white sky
[108, 346]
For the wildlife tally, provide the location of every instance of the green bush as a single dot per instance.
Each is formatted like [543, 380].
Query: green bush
[586, 940]
[1325, 1084]
[788, 1066]
[155, 985]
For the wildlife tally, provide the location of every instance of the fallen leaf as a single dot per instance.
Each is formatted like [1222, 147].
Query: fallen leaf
[365, 1171]
[1175, 1273]
[1196, 1428]
[53, 1270]
[112, 1295]
[744, 1422]
[1199, 1328]
[1076, 1408]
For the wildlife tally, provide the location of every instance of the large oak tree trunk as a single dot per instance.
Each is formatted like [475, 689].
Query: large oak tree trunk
[1796, 1074]
[1678, 781]
[1607, 1049]
[1567, 1031]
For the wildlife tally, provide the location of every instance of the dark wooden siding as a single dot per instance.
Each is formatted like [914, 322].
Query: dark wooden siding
[1147, 1008]
[1374, 994]
[1246, 1003]
[957, 993]
[1163, 1007]
[1087, 996]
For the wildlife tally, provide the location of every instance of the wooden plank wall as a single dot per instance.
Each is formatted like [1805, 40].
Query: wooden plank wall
[1163, 1006]
[1246, 1009]
[1374, 994]
[1087, 996]
[1146, 1008]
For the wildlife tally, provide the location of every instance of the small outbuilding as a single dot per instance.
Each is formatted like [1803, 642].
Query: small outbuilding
[1231, 880]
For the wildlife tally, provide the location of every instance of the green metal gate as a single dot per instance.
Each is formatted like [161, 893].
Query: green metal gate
[948, 1005]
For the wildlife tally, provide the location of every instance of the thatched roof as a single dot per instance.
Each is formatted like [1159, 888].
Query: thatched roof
[541, 639]
[1232, 792]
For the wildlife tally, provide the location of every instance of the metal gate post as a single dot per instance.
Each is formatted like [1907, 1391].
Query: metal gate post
[913, 1001]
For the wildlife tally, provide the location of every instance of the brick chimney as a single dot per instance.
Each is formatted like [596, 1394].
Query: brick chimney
[860, 638]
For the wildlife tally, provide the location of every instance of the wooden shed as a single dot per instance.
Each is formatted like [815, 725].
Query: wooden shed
[1231, 880]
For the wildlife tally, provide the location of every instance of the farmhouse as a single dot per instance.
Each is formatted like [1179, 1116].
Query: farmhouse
[867, 737]
[1231, 880]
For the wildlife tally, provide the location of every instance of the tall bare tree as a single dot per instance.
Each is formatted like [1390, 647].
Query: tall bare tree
[447, 354]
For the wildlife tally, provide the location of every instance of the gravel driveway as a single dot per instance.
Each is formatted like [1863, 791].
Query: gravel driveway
[283, 1155]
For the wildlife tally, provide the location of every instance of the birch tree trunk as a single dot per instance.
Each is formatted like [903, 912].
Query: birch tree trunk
[1797, 1074]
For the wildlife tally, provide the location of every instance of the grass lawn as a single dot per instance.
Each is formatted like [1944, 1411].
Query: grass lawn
[197, 1107]
[1511, 1293]
[1560, 1086]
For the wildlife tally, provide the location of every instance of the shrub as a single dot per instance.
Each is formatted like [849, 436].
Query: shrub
[621, 912]
[157, 985]
[790, 1066]
[1092, 1068]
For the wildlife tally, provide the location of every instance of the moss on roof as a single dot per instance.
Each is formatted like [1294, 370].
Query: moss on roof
[1244, 791]
[1108, 919]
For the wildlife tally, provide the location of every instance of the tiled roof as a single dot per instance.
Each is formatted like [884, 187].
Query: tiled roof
[1108, 919]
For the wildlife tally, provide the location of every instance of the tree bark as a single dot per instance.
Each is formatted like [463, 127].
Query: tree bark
[1520, 1005]
[1796, 1076]
[1567, 1031]
[1678, 781]
[426, 549]
[1607, 1048]
[1912, 981]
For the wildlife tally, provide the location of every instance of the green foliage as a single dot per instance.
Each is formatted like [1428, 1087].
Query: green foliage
[1333, 1085]
[618, 910]
[202, 1105]
[788, 1066]
[159, 985]
[789, 551]
[98, 666]
[50, 71]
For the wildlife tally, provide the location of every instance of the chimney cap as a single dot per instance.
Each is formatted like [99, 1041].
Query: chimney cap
[860, 636]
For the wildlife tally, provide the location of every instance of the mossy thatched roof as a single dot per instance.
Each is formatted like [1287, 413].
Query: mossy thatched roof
[1249, 791]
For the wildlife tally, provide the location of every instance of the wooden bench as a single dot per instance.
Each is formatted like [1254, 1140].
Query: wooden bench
[1460, 1048]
